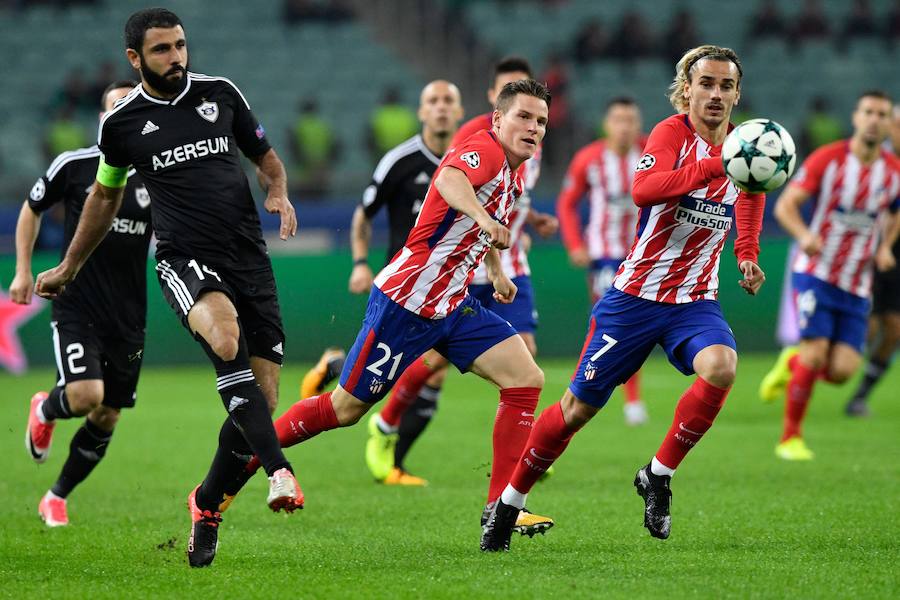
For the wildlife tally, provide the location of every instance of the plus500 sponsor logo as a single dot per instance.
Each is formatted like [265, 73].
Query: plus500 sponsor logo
[706, 214]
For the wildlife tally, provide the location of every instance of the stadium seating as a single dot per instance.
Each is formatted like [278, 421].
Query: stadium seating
[275, 65]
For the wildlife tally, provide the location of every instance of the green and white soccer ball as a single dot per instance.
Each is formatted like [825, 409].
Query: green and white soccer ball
[759, 155]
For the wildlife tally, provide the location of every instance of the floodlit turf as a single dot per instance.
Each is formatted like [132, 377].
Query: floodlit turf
[744, 523]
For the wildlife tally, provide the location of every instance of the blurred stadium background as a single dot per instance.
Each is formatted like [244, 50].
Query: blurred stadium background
[334, 82]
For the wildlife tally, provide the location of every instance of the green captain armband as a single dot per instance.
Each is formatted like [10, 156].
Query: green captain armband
[112, 177]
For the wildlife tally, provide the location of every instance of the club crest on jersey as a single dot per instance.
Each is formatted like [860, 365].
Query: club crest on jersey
[38, 190]
[590, 371]
[142, 196]
[471, 158]
[209, 111]
[376, 386]
[646, 162]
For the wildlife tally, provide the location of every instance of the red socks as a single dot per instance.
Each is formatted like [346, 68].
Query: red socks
[694, 414]
[549, 438]
[306, 419]
[799, 390]
[515, 418]
[632, 388]
[405, 392]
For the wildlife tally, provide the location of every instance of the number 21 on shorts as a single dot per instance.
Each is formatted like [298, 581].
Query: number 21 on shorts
[375, 367]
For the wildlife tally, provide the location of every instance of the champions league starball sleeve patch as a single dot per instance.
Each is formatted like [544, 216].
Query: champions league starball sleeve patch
[260, 132]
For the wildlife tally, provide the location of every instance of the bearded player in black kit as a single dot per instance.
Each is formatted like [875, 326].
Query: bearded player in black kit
[181, 132]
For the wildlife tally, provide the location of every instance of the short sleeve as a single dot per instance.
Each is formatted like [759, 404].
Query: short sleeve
[381, 188]
[49, 188]
[479, 157]
[110, 144]
[250, 135]
[809, 176]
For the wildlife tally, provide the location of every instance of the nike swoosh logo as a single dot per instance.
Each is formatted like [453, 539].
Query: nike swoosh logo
[538, 456]
[683, 428]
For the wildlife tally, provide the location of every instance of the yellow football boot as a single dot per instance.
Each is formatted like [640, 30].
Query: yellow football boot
[380, 450]
[772, 386]
[329, 366]
[398, 476]
[794, 448]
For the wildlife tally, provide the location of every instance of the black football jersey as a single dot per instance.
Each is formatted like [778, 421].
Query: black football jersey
[400, 181]
[110, 291]
[186, 151]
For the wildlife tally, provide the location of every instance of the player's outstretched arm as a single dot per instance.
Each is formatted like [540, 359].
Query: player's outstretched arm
[570, 196]
[273, 179]
[100, 209]
[884, 257]
[788, 215]
[456, 189]
[361, 276]
[27, 228]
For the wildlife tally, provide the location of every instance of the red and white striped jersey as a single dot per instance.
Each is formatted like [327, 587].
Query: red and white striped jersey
[514, 259]
[605, 177]
[431, 274]
[686, 210]
[852, 201]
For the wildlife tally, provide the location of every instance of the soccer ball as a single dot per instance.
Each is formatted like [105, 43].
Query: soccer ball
[759, 155]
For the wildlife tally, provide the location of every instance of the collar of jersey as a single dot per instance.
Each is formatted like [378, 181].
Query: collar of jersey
[174, 100]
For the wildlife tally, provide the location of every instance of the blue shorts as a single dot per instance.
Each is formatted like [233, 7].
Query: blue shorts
[623, 330]
[392, 338]
[521, 313]
[601, 275]
[827, 311]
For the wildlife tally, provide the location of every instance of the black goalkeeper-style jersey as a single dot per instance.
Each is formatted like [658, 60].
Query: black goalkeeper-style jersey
[110, 291]
[400, 181]
[186, 151]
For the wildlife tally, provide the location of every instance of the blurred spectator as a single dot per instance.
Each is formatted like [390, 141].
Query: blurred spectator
[390, 124]
[892, 24]
[314, 150]
[64, 133]
[681, 36]
[633, 39]
[893, 141]
[811, 23]
[591, 42]
[328, 11]
[767, 22]
[106, 72]
[556, 77]
[74, 93]
[859, 23]
[820, 126]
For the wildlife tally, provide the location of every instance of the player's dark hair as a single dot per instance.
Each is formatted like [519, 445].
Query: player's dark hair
[875, 93]
[621, 101]
[115, 85]
[138, 24]
[511, 64]
[687, 62]
[529, 87]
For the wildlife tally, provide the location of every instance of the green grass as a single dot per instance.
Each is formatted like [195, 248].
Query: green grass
[744, 523]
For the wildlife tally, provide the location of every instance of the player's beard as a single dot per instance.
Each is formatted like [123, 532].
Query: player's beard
[162, 83]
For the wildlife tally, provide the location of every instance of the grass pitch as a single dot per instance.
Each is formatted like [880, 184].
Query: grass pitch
[744, 523]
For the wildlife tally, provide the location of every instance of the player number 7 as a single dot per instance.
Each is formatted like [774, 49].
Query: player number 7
[610, 342]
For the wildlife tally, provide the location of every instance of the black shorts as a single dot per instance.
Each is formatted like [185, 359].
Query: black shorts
[83, 352]
[251, 290]
[886, 292]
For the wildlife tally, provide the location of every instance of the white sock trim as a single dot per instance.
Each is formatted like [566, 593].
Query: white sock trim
[40, 414]
[657, 468]
[383, 426]
[512, 497]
